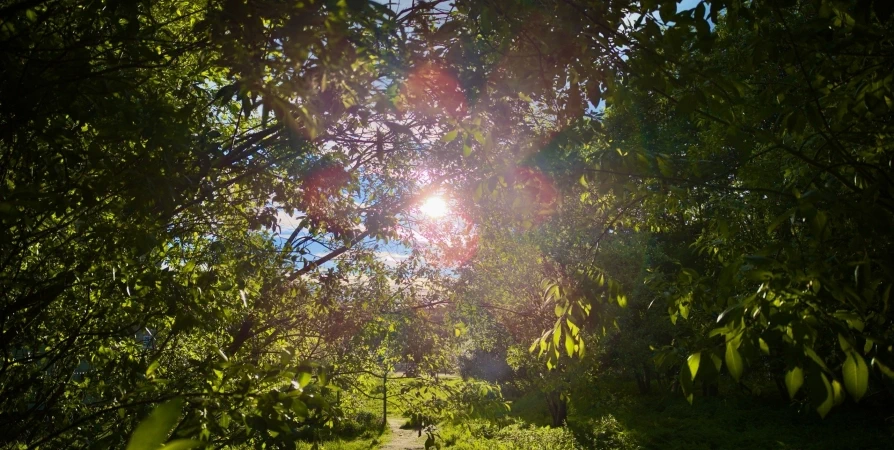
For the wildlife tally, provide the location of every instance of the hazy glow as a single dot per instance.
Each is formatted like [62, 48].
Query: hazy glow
[434, 207]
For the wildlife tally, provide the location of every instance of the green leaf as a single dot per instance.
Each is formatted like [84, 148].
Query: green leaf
[886, 296]
[763, 345]
[885, 369]
[559, 309]
[554, 292]
[572, 327]
[856, 375]
[299, 408]
[794, 379]
[693, 362]
[524, 97]
[183, 444]
[569, 345]
[717, 361]
[450, 136]
[844, 343]
[837, 392]
[686, 383]
[827, 404]
[303, 379]
[479, 192]
[154, 430]
[153, 366]
[812, 355]
[734, 361]
[622, 300]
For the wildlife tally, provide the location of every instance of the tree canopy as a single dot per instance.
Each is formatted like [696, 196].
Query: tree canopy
[198, 198]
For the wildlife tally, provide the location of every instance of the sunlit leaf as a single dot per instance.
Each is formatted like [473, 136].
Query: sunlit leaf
[734, 362]
[153, 431]
[183, 444]
[837, 392]
[693, 362]
[856, 375]
[826, 406]
[450, 136]
[794, 379]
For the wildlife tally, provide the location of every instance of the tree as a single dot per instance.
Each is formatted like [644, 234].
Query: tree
[775, 170]
[148, 149]
[771, 171]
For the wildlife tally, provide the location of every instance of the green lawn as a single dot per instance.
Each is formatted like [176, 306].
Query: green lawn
[613, 415]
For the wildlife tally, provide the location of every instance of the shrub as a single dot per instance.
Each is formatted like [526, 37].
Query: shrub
[603, 432]
[538, 438]
[480, 435]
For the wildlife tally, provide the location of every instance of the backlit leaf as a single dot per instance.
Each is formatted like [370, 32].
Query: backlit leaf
[153, 431]
[856, 375]
[826, 406]
[734, 362]
[794, 379]
[693, 362]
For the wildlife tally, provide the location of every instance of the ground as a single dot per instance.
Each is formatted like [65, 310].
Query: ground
[403, 439]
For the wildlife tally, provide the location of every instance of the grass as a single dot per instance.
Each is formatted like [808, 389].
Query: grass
[510, 435]
[612, 415]
[353, 444]
[361, 427]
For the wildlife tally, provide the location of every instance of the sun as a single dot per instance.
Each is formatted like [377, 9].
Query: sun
[434, 207]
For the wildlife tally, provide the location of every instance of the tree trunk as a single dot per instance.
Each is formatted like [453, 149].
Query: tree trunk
[644, 380]
[385, 400]
[639, 381]
[558, 408]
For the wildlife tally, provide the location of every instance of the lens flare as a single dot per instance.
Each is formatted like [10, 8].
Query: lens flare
[434, 207]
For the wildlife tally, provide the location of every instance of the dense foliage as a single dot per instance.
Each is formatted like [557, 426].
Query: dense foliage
[748, 143]
[198, 199]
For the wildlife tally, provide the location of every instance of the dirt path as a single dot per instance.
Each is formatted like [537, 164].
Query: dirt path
[403, 439]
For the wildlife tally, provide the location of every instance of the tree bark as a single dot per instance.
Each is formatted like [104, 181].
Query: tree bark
[558, 408]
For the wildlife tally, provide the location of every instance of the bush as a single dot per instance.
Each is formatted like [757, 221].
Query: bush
[358, 423]
[481, 435]
[538, 438]
[602, 432]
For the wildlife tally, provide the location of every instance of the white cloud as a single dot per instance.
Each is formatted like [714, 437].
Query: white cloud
[286, 222]
[391, 259]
